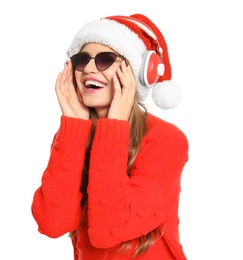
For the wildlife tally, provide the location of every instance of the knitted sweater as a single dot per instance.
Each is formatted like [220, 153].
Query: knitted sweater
[120, 207]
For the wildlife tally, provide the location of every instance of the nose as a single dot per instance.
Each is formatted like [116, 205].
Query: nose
[90, 66]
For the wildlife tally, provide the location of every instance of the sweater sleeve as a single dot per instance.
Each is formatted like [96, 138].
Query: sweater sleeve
[56, 203]
[122, 208]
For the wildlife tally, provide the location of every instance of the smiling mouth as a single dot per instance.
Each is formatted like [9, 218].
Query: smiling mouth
[90, 84]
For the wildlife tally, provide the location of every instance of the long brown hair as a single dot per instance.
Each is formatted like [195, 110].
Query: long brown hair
[138, 128]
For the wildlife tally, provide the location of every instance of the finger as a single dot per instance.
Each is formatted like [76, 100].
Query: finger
[64, 75]
[62, 85]
[66, 80]
[116, 84]
[127, 73]
[58, 81]
[127, 80]
[79, 95]
[69, 73]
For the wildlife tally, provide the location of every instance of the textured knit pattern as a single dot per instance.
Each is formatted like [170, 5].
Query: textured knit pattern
[120, 208]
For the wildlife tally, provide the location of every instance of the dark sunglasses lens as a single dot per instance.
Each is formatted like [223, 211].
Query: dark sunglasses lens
[104, 60]
[80, 60]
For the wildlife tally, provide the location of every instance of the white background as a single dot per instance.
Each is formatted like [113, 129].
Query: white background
[205, 45]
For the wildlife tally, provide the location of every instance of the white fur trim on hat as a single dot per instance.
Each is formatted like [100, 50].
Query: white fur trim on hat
[116, 36]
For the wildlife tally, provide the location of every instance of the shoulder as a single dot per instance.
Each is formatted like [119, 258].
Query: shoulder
[158, 127]
[164, 133]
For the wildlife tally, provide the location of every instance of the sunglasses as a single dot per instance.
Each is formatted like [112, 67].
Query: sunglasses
[103, 60]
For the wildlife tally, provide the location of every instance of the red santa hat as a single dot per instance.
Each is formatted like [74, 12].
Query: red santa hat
[140, 41]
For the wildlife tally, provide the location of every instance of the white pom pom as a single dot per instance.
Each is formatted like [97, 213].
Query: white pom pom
[166, 94]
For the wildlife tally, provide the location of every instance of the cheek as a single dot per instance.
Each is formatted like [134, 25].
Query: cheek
[77, 75]
[109, 73]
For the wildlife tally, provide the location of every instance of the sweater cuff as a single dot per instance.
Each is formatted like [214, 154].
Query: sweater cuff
[112, 130]
[74, 129]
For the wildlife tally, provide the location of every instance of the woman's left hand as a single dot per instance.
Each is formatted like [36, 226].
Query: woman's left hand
[124, 92]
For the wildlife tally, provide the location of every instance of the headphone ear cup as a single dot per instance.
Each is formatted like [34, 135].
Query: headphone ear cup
[151, 68]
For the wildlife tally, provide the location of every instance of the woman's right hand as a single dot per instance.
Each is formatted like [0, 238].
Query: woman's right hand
[69, 100]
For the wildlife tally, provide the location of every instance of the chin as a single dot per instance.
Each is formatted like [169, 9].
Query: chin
[96, 103]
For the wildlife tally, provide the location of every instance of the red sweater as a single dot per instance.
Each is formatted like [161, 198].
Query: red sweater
[120, 208]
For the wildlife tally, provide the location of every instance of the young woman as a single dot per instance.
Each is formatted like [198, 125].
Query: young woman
[113, 178]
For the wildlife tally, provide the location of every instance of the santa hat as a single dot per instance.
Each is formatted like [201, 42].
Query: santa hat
[139, 40]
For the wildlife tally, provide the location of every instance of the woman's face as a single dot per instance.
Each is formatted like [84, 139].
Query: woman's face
[95, 86]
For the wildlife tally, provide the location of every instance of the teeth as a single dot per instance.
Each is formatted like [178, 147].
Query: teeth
[95, 83]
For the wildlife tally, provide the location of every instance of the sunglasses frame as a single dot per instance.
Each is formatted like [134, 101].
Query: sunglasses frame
[90, 58]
